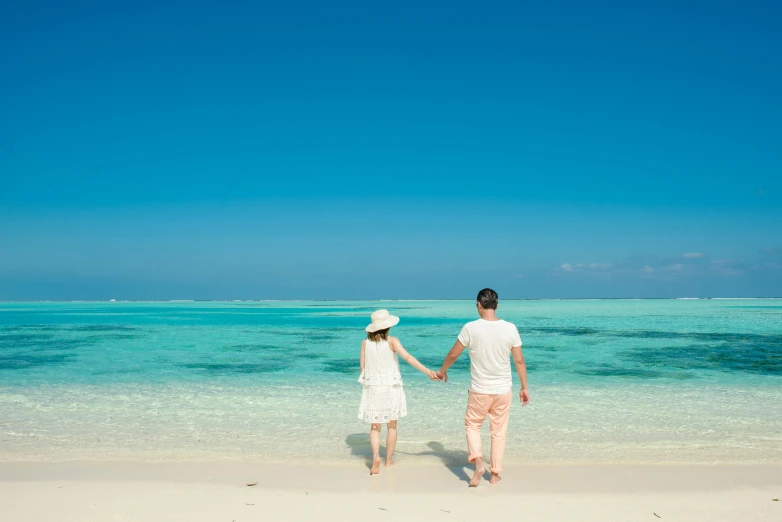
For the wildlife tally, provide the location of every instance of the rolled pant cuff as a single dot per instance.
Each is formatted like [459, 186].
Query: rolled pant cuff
[472, 458]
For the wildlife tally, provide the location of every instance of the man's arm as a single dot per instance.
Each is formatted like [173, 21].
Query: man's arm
[454, 354]
[521, 369]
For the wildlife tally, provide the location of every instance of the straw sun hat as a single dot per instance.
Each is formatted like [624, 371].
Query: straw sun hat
[381, 320]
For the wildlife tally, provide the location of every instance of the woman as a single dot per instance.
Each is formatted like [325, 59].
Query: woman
[383, 395]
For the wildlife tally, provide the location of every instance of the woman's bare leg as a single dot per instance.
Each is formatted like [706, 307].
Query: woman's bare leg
[374, 441]
[390, 441]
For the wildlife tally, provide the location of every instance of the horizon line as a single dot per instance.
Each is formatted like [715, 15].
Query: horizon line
[382, 300]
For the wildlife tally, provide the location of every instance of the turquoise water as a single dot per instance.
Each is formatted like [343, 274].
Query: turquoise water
[626, 380]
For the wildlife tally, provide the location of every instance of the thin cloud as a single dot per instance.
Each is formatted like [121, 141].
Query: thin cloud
[726, 267]
[687, 265]
[586, 268]
[772, 259]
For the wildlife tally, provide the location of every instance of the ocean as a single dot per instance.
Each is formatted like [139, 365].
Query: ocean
[646, 381]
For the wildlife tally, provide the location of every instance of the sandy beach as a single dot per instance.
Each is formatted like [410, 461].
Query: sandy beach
[219, 491]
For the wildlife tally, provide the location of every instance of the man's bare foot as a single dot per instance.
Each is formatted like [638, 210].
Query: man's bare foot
[375, 467]
[495, 478]
[476, 479]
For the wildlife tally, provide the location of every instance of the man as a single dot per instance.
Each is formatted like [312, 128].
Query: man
[490, 341]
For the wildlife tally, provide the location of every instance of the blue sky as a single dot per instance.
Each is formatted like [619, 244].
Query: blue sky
[161, 150]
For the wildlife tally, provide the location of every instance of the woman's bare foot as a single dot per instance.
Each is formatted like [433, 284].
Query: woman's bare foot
[375, 467]
[495, 478]
[389, 463]
[476, 479]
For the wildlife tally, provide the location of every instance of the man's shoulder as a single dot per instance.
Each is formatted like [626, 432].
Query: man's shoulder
[480, 324]
[471, 324]
[508, 328]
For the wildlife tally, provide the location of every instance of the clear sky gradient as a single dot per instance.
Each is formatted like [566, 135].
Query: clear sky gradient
[340, 150]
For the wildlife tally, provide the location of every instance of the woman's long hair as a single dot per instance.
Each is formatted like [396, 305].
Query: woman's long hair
[379, 335]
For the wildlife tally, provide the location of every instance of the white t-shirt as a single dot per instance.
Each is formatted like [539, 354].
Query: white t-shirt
[490, 343]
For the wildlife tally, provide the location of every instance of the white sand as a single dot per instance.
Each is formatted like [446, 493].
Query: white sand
[217, 491]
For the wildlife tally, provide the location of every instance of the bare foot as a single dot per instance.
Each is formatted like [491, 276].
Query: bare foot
[494, 478]
[476, 479]
[389, 463]
[375, 467]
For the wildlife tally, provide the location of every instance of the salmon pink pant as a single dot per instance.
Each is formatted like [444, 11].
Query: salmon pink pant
[497, 407]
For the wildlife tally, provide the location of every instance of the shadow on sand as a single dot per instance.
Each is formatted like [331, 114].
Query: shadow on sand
[454, 460]
[359, 447]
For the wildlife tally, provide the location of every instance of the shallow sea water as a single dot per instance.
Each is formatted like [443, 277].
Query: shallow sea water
[611, 381]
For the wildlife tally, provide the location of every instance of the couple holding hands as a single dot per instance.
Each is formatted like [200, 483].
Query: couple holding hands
[490, 341]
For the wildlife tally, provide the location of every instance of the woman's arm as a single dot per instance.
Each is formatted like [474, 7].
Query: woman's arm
[363, 345]
[412, 361]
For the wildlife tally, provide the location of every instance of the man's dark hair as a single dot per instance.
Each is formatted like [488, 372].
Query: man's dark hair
[488, 299]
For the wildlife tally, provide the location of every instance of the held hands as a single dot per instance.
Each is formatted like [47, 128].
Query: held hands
[432, 375]
[442, 376]
[524, 397]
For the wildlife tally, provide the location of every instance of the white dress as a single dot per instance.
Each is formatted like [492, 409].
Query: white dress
[383, 396]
